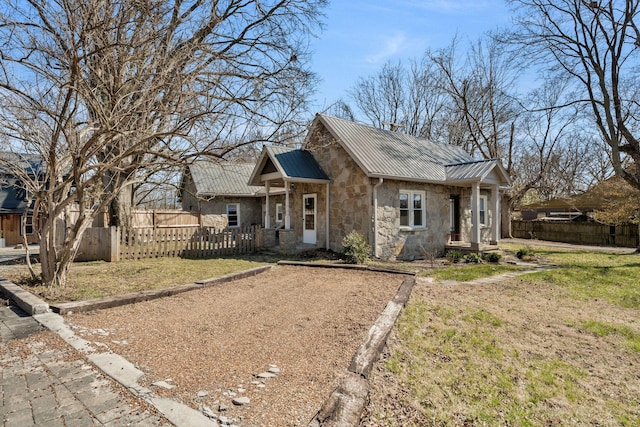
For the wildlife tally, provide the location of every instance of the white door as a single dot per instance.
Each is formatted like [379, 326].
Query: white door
[309, 234]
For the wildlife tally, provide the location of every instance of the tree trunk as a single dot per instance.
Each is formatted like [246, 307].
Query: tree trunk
[59, 246]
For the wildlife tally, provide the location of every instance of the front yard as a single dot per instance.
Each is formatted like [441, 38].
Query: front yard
[559, 347]
[556, 347]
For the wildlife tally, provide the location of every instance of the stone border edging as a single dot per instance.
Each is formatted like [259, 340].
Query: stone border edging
[28, 302]
[118, 300]
[347, 267]
[345, 405]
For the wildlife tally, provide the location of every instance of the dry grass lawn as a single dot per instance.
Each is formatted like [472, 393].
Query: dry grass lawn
[89, 280]
[556, 348]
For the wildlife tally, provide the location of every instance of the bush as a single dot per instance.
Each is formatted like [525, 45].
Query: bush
[355, 248]
[525, 253]
[454, 256]
[493, 257]
[473, 258]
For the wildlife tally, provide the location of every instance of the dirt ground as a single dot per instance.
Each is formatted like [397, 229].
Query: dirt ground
[538, 323]
[307, 322]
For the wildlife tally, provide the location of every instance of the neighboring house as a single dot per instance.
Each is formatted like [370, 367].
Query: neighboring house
[610, 201]
[219, 191]
[408, 196]
[14, 198]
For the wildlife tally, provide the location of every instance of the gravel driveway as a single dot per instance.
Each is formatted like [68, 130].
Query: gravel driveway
[211, 343]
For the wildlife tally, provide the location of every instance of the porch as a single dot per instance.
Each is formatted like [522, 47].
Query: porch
[468, 247]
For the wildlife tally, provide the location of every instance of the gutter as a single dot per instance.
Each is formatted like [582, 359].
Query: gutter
[375, 217]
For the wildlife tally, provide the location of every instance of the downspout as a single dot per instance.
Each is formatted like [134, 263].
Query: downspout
[375, 217]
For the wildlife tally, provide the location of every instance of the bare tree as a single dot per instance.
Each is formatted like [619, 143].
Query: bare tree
[595, 44]
[409, 98]
[550, 149]
[483, 106]
[102, 90]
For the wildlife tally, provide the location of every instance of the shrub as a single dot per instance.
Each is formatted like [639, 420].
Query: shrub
[493, 257]
[473, 258]
[525, 253]
[454, 256]
[355, 248]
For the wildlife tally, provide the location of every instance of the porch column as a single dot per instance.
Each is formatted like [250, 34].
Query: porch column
[495, 224]
[327, 207]
[475, 216]
[267, 217]
[287, 215]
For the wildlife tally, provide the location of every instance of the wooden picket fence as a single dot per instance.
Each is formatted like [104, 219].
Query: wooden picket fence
[192, 242]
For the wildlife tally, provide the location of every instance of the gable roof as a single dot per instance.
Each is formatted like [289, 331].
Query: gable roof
[13, 197]
[385, 154]
[480, 170]
[222, 179]
[288, 164]
[32, 164]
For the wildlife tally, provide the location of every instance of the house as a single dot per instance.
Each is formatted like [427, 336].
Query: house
[220, 192]
[14, 198]
[406, 195]
[612, 201]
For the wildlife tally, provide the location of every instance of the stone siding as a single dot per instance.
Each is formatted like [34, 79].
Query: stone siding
[395, 242]
[465, 216]
[273, 200]
[350, 189]
[295, 201]
[214, 211]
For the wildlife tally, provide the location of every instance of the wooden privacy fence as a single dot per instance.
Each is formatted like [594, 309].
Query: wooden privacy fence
[584, 233]
[187, 242]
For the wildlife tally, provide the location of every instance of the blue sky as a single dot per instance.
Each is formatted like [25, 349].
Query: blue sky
[360, 35]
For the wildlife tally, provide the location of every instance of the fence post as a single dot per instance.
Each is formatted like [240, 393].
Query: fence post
[114, 243]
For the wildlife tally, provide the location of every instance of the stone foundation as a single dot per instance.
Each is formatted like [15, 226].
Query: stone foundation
[268, 238]
[287, 241]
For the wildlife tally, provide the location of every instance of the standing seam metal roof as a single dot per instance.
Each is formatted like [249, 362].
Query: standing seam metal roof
[220, 178]
[391, 154]
[470, 171]
[297, 163]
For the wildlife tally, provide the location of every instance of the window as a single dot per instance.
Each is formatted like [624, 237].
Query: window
[279, 216]
[28, 226]
[412, 212]
[483, 210]
[233, 215]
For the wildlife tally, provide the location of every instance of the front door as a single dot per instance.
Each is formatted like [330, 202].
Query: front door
[309, 212]
[454, 218]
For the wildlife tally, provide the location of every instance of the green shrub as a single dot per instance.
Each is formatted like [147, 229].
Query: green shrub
[355, 248]
[473, 259]
[454, 256]
[525, 253]
[493, 257]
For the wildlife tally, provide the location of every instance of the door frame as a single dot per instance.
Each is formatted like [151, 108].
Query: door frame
[454, 217]
[310, 236]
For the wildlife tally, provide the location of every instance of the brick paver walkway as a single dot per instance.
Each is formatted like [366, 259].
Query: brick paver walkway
[52, 385]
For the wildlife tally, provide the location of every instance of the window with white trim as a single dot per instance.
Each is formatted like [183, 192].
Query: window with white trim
[233, 215]
[483, 211]
[412, 209]
[279, 215]
[28, 226]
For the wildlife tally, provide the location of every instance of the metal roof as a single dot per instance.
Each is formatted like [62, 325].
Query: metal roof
[382, 153]
[32, 164]
[473, 171]
[296, 164]
[223, 178]
[290, 164]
